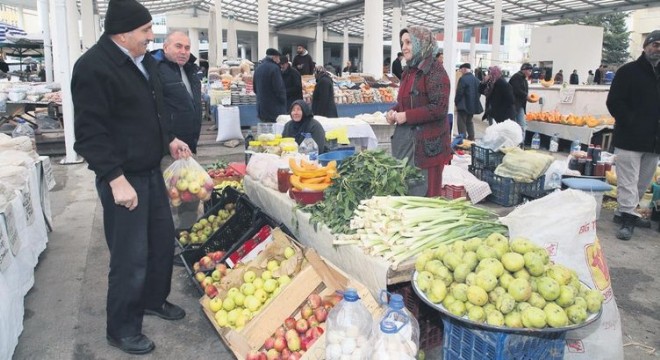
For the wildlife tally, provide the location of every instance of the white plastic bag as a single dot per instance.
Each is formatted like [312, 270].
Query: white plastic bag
[187, 181]
[500, 135]
[568, 232]
[229, 123]
[263, 168]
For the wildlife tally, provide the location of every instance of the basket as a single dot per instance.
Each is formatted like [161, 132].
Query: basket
[430, 326]
[485, 158]
[506, 191]
[218, 201]
[454, 192]
[462, 341]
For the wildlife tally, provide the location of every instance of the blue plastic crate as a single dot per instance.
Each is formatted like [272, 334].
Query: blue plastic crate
[506, 191]
[485, 158]
[464, 342]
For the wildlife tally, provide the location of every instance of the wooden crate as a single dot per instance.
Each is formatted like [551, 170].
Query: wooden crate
[316, 276]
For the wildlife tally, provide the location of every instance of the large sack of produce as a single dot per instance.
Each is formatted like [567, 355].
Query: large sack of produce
[229, 123]
[569, 234]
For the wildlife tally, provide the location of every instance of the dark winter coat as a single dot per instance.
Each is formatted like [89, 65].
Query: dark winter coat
[323, 98]
[501, 101]
[397, 69]
[269, 87]
[293, 85]
[424, 97]
[183, 112]
[634, 101]
[297, 129]
[598, 76]
[467, 95]
[520, 89]
[304, 64]
[574, 79]
[116, 112]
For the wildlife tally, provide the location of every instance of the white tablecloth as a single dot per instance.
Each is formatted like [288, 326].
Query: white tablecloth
[370, 271]
[568, 132]
[358, 130]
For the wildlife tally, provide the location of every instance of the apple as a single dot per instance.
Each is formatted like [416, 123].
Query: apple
[206, 263]
[252, 355]
[186, 196]
[211, 291]
[292, 339]
[306, 311]
[269, 343]
[249, 276]
[247, 289]
[270, 285]
[222, 318]
[228, 304]
[312, 321]
[289, 252]
[261, 295]
[217, 256]
[176, 202]
[284, 280]
[272, 265]
[266, 275]
[280, 344]
[290, 323]
[194, 187]
[251, 303]
[200, 276]
[332, 300]
[208, 281]
[321, 313]
[215, 304]
[232, 292]
[302, 326]
[272, 354]
[173, 193]
[280, 331]
[314, 300]
[285, 353]
[258, 283]
[294, 356]
[216, 275]
[222, 267]
[314, 332]
[182, 185]
[203, 194]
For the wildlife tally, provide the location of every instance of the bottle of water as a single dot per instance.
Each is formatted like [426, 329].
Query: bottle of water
[24, 129]
[396, 326]
[554, 143]
[249, 137]
[536, 141]
[348, 329]
[309, 148]
[575, 146]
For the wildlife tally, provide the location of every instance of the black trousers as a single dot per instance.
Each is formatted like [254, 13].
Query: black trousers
[141, 252]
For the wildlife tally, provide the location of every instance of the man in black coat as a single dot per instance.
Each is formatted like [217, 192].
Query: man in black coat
[117, 99]
[634, 101]
[269, 87]
[467, 101]
[397, 69]
[520, 89]
[323, 98]
[303, 61]
[292, 82]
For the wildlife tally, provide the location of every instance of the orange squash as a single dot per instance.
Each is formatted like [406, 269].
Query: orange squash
[532, 97]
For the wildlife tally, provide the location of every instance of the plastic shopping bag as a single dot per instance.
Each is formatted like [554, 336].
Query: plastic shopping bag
[568, 232]
[187, 181]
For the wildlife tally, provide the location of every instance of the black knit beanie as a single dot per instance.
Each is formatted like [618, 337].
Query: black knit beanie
[125, 16]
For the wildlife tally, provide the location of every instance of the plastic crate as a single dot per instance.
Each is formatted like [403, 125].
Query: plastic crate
[227, 196]
[485, 158]
[218, 196]
[464, 342]
[506, 191]
[430, 326]
[454, 192]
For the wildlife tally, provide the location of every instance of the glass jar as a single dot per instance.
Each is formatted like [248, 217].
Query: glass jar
[283, 179]
[273, 147]
[289, 151]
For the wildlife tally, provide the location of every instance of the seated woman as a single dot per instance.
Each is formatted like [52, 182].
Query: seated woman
[302, 121]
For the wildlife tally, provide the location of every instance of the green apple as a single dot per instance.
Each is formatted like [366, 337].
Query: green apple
[221, 317]
[266, 275]
[239, 299]
[261, 295]
[258, 283]
[272, 265]
[252, 303]
[215, 304]
[249, 276]
[270, 285]
[284, 280]
[228, 304]
[289, 252]
[247, 288]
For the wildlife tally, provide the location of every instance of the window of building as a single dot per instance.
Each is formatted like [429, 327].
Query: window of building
[484, 35]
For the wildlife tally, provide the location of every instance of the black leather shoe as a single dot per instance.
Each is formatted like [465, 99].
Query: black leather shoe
[640, 222]
[138, 344]
[168, 311]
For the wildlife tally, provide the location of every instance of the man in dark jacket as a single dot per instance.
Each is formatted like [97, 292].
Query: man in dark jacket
[520, 89]
[574, 79]
[467, 101]
[183, 107]
[323, 98]
[292, 82]
[303, 61]
[117, 99]
[269, 87]
[397, 69]
[634, 101]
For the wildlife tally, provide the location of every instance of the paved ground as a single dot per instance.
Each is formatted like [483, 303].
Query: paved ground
[65, 310]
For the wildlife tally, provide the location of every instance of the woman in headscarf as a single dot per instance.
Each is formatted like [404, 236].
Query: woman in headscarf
[302, 121]
[323, 98]
[422, 130]
[499, 96]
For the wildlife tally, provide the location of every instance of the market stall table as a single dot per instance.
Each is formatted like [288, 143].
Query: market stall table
[359, 131]
[584, 134]
[374, 272]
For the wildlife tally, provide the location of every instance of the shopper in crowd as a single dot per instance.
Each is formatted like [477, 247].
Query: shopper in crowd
[598, 76]
[536, 74]
[590, 78]
[499, 96]
[633, 101]
[520, 89]
[302, 121]
[183, 106]
[117, 98]
[479, 74]
[4, 67]
[303, 61]
[422, 129]
[292, 82]
[574, 79]
[397, 69]
[269, 87]
[559, 77]
[323, 97]
[467, 101]
[548, 74]
[331, 69]
[350, 68]
[439, 56]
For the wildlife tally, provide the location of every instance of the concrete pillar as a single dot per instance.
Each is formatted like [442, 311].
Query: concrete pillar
[88, 28]
[473, 51]
[232, 38]
[212, 32]
[97, 26]
[254, 51]
[396, 28]
[218, 38]
[318, 44]
[497, 26]
[43, 9]
[373, 38]
[345, 51]
[262, 28]
[73, 31]
[193, 34]
[451, 49]
[243, 52]
[274, 41]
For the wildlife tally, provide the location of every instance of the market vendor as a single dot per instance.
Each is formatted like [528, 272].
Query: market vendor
[302, 121]
[422, 131]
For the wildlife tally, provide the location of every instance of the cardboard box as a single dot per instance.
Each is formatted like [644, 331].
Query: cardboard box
[316, 276]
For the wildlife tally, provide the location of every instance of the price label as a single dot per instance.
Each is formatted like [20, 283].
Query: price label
[49, 178]
[4, 248]
[12, 230]
[27, 206]
[566, 96]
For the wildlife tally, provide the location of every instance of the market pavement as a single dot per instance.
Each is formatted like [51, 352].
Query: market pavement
[65, 310]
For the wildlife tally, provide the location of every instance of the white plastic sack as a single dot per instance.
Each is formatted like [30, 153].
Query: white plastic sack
[229, 123]
[501, 135]
[568, 232]
[263, 168]
[16, 158]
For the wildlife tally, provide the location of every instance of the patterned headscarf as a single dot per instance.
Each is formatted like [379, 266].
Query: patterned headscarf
[494, 73]
[423, 43]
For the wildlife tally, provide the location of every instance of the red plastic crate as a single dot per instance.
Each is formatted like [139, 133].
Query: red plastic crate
[454, 192]
[430, 323]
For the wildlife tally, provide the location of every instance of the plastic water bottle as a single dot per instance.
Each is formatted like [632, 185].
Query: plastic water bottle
[554, 143]
[249, 137]
[536, 141]
[348, 329]
[396, 332]
[309, 148]
[24, 129]
[575, 146]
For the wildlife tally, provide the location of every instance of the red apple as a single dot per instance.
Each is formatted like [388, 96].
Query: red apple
[306, 311]
[294, 356]
[280, 331]
[173, 193]
[262, 356]
[206, 263]
[216, 256]
[252, 355]
[314, 300]
[321, 314]
[211, 291]
[186, 196]
[306, 343]
[331, 300]
[312, 321]
[272, 354]
[314, 332]
[285, 353]
[302, 326]
[222, 268]
[290, 323]
[196, 267]
[269, 343]
[280, 344]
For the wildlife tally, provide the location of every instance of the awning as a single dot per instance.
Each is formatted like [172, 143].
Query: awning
[9, 30]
